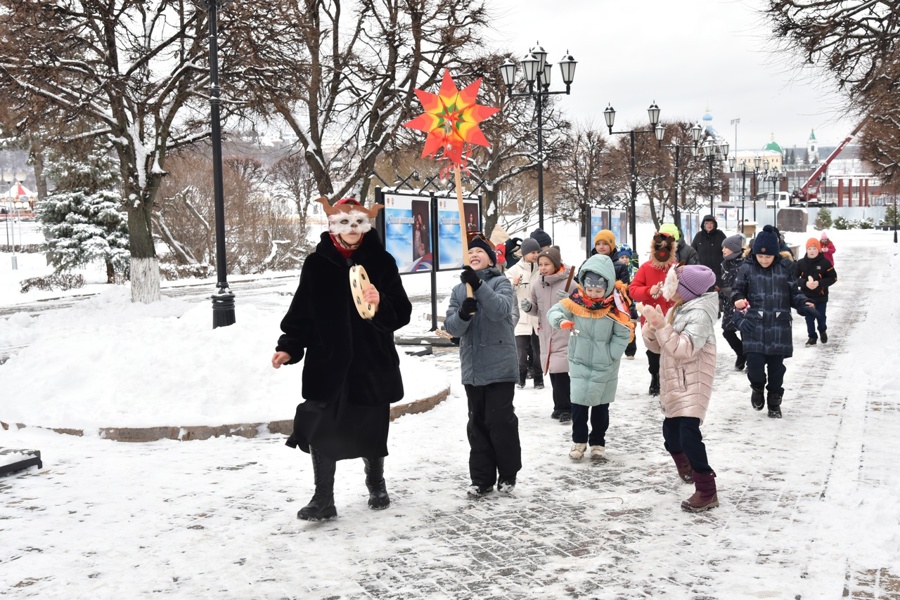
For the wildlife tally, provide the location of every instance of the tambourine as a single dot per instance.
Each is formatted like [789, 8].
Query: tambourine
[359, 279]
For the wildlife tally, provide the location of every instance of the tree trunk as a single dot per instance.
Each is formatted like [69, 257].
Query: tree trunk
[144, 265]
[110, 272]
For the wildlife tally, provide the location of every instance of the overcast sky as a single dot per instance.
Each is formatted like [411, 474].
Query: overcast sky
[686, 56]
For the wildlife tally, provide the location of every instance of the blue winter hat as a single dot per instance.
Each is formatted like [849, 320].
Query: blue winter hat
[766, 242]
[625, 250]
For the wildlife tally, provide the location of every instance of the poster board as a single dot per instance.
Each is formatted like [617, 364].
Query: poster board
[449, 233]
[407, 232]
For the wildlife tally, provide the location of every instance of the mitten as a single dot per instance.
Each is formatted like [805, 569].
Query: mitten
[808, 311]
[525, 304]
[567, 324]
[470, 277]
[562, 294]
[468, 308]
[653, 316]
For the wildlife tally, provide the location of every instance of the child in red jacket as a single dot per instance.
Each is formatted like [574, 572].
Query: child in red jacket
[646, 288]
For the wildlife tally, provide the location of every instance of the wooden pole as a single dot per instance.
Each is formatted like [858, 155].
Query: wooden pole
[463, 230]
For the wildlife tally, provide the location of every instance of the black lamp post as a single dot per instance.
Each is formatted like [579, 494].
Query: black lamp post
[756, 162]
[732, 162]
[223, 301]
[610, 115]
[537, 72]
[696, 132]
[895, 218]
[713, 153]
[774, 175]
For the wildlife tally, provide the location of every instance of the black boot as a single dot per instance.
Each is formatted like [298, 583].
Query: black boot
[824, 336]
[654, 384]
[741, 362]
[757, 399]
[774, 402]
[322, 504]
[378, 496]
[811, 341]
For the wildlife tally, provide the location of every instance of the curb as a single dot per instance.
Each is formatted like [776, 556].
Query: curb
[204, 432]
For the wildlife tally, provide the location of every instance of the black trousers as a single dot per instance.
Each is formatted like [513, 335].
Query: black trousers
[599, 418]
[562, 396]
[653, 362]
[757, 366]
[682, 434]
[529, 347]
[493, 431]
[734, 340]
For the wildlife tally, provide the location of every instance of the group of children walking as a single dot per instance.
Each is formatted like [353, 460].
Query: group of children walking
[575, 327]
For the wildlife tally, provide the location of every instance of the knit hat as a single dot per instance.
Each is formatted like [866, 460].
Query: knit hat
[663, 247]
[824, 236]
[500, 251]
[477, 240]
[594, 280]
[766, 242]
[530, 245]
[734, 243]
[541, 237]
[814, 242]
[607, 236]
[553, 254]
[693, 281]
[625, 250]
[670, 229]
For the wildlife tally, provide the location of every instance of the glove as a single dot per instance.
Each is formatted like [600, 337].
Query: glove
[808, 311]
[468, 308]
[747, 326]
[567, 325]
[525, 304]
[562, 294]
[468, 276]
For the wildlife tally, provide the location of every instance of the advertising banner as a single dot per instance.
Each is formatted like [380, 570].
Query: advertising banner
[449, 232]
[407, 231]
[599, 220]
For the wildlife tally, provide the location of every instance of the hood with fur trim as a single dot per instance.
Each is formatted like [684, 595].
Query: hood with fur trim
[603, 266]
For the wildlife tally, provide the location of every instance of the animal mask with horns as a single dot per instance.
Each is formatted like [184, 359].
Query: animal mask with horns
[348, 215]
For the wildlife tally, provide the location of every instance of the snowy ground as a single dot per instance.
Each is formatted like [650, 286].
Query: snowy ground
[810, 504]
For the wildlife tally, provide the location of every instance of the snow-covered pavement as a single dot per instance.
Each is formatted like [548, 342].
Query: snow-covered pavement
[810, 504]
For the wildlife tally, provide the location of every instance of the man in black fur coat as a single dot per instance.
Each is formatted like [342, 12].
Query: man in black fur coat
[352, 370]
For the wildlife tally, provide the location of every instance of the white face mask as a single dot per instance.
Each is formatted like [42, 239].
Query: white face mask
[349, 222]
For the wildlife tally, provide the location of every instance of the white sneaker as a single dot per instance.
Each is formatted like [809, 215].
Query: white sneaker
[598, 452]
[577, 451]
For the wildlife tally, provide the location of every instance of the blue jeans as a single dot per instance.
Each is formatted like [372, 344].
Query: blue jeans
[599, 424]
[811, 322]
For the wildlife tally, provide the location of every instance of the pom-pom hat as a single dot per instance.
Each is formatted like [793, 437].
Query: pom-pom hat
[766, 242]
[541, 237]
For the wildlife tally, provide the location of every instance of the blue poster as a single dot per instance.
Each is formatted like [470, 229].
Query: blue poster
[407, 232]
[449, 238]
[598, 222]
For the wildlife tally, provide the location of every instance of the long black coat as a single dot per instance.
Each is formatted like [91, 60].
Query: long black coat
[730, 267]
[352, 371]
[771, 293]
[708, 245]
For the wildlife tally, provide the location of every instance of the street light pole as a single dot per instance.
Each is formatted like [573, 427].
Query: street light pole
[223, 301]
[713, 152]
[756, 163]
[537, 74]
[609, 114]
[696, 132]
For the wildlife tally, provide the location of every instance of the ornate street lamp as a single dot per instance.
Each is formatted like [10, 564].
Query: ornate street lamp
[732, 162]
[537, 72]
[696, 132]
[609, 114]
[756, 162]
[713, 153]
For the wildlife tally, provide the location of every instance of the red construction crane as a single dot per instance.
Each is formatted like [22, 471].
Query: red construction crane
[809, 191]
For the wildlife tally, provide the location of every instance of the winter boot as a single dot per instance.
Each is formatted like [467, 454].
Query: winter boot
[565, 416]
[741, 362]
[811, 341]
[521, 383]
[757, 399]
[824, 336]
[684, 466]
[506, 485]
[321, 507]
[378, 496]
[774, 402]
[577, 451]
[477, 490]
[598, 452]
[704, 497]
[539, 384]
[654, 385]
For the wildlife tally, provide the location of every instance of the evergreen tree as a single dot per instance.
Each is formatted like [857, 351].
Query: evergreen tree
[83, 217]
[823, 219]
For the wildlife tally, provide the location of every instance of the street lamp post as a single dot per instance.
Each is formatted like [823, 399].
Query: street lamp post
[610, 115]
[774, 175]
[223, 301]
[713, 153]
[756, 162]
[537, 74]
[895, 218]
[696, 132]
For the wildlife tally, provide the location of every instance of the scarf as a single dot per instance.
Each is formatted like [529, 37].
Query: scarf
[615, 306]
[345, 249]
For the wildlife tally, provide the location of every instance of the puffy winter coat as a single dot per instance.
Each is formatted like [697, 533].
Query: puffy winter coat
[730, 267]
[686, 254]
[598, 342]
[821, 270]
[828, 251]
[687, 362]
[527, 273]
[708, 245]
[554, 342]
[649, 274]
[487, 345]
[771, 292]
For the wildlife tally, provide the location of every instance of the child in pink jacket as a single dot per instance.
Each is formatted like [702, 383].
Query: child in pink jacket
[686, 342]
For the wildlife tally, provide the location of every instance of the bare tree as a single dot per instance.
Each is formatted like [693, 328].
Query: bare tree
[293, 181]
